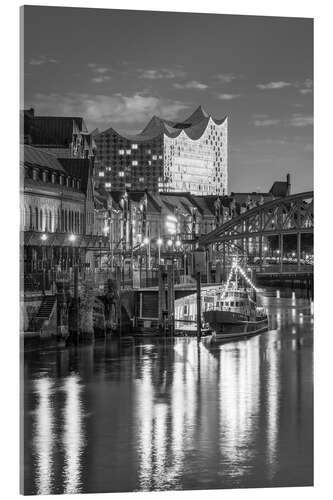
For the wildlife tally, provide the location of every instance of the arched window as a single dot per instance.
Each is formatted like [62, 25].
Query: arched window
[62, 221]
[30, 218]
[50, 221]
[41, 220]
[36, 218]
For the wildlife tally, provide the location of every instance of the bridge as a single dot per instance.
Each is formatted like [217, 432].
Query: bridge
[249, 232]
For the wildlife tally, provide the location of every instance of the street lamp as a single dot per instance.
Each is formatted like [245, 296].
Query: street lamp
[169, 243]
[43, 237]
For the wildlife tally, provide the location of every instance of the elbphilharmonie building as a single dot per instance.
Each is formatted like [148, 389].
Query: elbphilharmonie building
[188, 156]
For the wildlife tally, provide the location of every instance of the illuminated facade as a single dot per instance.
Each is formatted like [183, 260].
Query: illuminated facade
[189, 156]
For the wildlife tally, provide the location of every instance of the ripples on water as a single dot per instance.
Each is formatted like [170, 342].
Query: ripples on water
[165, 415]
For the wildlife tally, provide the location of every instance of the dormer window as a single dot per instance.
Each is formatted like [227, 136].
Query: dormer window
[34, 174]
[44, 176]
[52, 178]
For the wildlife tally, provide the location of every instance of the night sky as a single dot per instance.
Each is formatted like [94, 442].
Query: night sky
[121, 67]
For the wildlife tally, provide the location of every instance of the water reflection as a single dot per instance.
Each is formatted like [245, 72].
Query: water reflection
[43, 442]
[272, 397]
[238, 404]
[174, 414]
[72, 439]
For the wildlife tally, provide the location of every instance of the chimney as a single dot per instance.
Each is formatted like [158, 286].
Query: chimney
[288, 185]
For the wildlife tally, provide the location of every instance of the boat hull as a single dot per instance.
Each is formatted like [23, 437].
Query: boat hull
[228, 325]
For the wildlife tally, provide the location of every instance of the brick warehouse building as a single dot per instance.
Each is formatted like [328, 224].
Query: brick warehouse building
[57, 211]
[188, 156]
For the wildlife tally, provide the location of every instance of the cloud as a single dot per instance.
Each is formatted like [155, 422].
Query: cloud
[38, 61]
[308, 148]
[158, 74]
[193, 85]
[101, 79]
[273, 85]
[296, 120]
[225, 77]
[265, 122]
[299, 120]
[228, 97]
[102, 110]
[307, 87]
[99, 73]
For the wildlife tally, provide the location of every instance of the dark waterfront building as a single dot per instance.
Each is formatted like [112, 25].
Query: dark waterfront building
[187, 156]
[57, 210]
[63, 136]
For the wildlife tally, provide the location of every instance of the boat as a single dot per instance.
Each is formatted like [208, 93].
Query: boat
[234, 313]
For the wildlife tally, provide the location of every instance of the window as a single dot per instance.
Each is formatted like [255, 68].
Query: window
[134, 146]
[128, 151]
[108, 184]
[154, 157]
[232, 303]
[121, 152]
[101, 174]
[134, 163]
[121, 173]
[141, 179]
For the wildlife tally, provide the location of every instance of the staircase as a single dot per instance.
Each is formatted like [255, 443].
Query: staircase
[44, 313]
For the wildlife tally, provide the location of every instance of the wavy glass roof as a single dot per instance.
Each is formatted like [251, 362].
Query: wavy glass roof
[193, 126]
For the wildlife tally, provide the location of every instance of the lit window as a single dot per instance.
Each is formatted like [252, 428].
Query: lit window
[160, 157]
[154, 157]
[108, 184]
[121, 173]
[149, 162]
[101, 174]
[134, 146]
[141, 179]
[128, 151]
[134, 163]
[121, 152]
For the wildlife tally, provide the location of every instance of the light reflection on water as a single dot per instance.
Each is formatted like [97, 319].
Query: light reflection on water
[173, 415]
[43, 442]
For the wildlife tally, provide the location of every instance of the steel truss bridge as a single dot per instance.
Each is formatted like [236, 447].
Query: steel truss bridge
[247, 233]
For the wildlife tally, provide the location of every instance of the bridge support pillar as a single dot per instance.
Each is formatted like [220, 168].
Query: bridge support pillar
[281, 252]
[260, 252]
[299, 250]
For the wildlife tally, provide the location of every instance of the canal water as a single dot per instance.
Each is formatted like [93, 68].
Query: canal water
[164, 415]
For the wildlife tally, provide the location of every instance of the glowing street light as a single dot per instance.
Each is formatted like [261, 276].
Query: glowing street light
[146, 240]
[159, 242]
[178, 243]
[43, 237]
[169, 243]
[72, 237]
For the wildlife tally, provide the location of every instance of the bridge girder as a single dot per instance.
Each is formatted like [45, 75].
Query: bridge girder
[290, 215]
